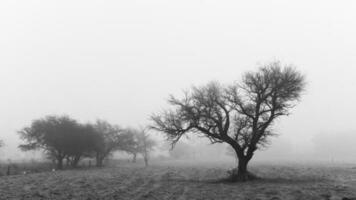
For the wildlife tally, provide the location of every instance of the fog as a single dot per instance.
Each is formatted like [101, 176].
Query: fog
[120, 60]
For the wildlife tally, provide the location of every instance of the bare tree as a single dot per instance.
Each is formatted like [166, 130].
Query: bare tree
[240, 115]
[146, 144]
[142, 144]
[134, 148]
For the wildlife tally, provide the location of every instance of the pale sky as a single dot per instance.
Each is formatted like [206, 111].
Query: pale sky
[119, 60]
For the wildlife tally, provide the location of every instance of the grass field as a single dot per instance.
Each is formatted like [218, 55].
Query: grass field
[24, 167]
[184, 181]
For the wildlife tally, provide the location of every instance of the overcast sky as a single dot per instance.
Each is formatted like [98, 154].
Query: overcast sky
[119, 60]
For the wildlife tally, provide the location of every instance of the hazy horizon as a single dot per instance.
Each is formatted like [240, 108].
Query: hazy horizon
[119, 61]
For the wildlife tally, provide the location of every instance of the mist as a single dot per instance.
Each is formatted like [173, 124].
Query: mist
[119, 61]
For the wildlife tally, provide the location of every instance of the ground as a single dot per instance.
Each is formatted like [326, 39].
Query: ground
[183, 181]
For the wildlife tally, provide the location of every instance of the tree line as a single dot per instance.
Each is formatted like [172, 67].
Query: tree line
[66, 141]
[240, 114]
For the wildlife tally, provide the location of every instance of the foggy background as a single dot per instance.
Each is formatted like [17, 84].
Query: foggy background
[119, 61]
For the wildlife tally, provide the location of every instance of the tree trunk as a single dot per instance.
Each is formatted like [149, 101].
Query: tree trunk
[146, 161]
[75, 161]
[241, 173]
[99, 159]
[134, 158]
[145, 157]
[59, 163]
[67, 162]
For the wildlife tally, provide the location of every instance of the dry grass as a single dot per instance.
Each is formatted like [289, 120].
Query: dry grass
[17, 168]
[179, 181]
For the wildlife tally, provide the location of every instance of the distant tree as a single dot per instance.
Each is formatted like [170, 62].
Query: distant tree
[82, 143]
[110, 138]
[60, 137]
[146, 145]
[142, 144]
[240, 115]
[134, 149]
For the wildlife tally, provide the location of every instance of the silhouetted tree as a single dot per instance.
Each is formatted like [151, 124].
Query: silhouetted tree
[240, 115]
[110, 138]
[60, 137]
[82, 143]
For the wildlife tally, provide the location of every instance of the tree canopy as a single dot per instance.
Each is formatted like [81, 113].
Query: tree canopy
[110, 138]
[239, 114]
[60, 137]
